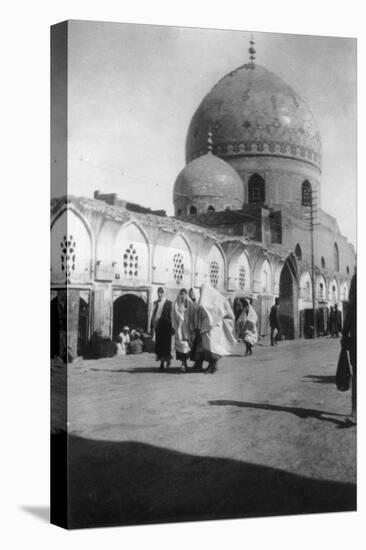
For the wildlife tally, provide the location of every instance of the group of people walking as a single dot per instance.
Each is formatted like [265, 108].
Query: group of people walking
[204, 330]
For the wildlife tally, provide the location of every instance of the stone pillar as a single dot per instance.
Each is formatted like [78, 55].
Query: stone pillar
[102, 309]
[73, 300]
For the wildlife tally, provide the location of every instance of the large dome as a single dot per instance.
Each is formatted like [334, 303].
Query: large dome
[208, 181]
[251, 111]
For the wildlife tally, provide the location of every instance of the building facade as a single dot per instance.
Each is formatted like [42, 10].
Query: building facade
[243, 205]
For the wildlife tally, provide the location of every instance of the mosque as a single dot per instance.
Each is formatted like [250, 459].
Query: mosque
[248, 220]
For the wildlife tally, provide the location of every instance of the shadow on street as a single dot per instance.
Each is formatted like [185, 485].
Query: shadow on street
[322, 379]
[297, 411]
[126, 483]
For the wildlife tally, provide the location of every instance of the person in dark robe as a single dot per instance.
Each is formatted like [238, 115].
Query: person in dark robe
[274, 322]
[335, 322]
[349, 342]
[161, 328]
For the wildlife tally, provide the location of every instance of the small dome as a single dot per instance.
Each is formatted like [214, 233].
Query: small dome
[254, 112]
[208, 181]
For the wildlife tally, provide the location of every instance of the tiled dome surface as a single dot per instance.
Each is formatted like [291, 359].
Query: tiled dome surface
[251, 111]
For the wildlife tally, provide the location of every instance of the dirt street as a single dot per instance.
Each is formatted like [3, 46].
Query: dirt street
[265, 435]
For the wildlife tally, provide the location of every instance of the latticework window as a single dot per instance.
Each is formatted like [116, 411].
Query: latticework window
[214, 273]
[68, 256]
[178, 267]
[131, 262]
[242, 277]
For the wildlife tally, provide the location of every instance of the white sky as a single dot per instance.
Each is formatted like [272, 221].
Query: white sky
[134, 88]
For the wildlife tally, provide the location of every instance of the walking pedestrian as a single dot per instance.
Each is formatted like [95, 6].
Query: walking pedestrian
[196, 347]
[215, 322]
[274, 322]
[349, 342]
[161, 328]
[183, 325]
[250, 327]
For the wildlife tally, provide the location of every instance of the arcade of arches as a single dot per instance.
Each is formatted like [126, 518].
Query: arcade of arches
[110, 262]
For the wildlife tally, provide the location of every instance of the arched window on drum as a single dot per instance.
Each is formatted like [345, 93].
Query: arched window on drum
[256, 189]
[306, 194]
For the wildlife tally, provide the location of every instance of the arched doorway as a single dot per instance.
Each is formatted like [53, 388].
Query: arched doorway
[130, 310]
[288, 299]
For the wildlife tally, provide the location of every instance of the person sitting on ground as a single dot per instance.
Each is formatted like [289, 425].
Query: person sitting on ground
[99, 346]
[136, 345]
[123, 341]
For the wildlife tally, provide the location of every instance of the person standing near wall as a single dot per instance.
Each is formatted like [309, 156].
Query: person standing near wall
[349, 342]
[161, 328]
[274, 322]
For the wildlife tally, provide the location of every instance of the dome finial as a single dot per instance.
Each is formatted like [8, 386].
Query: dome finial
[252, 53]
[209, 140]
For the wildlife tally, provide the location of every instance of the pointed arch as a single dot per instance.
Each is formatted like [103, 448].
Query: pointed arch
[343, 293]
[72, 247]
[320, 289]
[131, 254]
[306, 287]
[216, 267]
[333, 291]
[298, 252]
[180, 261]
[263, 276]
[239, 272]
[288, 295]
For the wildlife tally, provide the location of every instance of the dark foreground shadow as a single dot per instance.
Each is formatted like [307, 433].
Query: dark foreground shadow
[127, 483]
[297, 411]
[40, 512]
[322, 379]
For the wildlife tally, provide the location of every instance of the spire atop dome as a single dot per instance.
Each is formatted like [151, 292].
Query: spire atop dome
[209, 140]
[252, 52]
